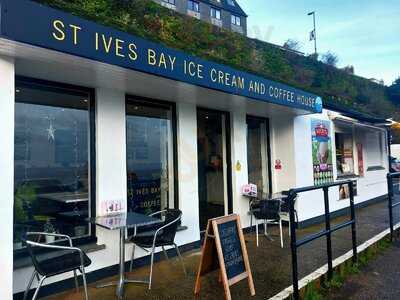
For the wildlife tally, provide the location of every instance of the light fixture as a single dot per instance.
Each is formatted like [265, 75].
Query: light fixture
[17, 90]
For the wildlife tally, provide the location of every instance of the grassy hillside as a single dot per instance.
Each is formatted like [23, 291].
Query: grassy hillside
[147, 19]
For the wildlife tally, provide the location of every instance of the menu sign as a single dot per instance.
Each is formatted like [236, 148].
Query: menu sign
[231, 249]
[224, 249]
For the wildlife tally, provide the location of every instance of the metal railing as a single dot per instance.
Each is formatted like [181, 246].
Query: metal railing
[327, 232]
[391, 205]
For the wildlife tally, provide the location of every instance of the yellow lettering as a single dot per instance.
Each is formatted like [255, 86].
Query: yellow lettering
[118, 47]
[151, 54]
[172, 61]
[59, 26]
[107, 44]
[97, 41]
[213, 75]
[75, 30]
[162, 61]
[132, 51]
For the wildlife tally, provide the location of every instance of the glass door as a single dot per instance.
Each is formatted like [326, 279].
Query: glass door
[212, 165]
[149, 150]
[258, 155]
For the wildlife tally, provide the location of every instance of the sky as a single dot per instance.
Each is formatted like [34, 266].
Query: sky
[362, 33]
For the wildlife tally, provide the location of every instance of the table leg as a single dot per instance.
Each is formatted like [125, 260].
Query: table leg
[120, 287]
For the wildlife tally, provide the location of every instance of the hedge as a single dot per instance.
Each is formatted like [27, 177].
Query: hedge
[149, 20]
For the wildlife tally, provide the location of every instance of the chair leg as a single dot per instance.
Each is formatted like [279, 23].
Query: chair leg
[265, 227]
[290, 233]
[38, 288]
[29, 284]
[257, 231]
[280, 232]
[151, 267]
[165, 253]
[180, 258]
[76, 282]
[84, 282]
[132, 258]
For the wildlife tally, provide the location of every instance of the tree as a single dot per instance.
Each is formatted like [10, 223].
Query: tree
[292, 44]
[330, 59]
[394, 91]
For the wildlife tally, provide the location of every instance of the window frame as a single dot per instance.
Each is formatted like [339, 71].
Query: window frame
[351, 132]
[236, 18]
[129, 98]
[58, 86]
[192, 2]
[215, 10]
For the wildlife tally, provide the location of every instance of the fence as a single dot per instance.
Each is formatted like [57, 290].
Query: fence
[393, 181]
[295, 244]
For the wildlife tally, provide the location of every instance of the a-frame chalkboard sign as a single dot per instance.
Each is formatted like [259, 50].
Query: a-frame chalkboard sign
[224, 248]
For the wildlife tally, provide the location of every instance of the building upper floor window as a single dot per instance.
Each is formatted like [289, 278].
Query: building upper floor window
[193, 6]
[169, 1]
[215, 13]
[235, 20]
[230, 2]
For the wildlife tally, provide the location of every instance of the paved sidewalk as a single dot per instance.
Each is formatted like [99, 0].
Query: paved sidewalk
[380, 279]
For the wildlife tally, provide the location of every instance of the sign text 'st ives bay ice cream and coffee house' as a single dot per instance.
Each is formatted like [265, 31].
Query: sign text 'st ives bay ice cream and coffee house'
[38, 25]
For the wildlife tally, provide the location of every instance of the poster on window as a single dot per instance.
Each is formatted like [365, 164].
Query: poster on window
[321, 151]
[144, 196]
[344, 191]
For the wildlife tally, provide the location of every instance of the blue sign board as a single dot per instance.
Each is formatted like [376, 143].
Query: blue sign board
[29, 22]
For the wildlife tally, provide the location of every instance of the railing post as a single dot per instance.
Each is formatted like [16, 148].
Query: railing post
[292, 196]
[328, 230]
[353, 225]
[390, 203]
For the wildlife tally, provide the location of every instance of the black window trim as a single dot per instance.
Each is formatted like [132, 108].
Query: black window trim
[57, 86]
[129, 98]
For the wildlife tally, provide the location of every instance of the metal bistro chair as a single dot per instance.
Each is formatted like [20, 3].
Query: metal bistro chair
[284, 214]
[267, 211]
[163, 236]
[61, 260]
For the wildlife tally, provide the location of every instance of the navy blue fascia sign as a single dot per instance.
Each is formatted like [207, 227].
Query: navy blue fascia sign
[32, 23]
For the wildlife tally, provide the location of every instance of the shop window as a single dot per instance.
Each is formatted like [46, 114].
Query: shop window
[374, 149]
[344, 153]
[150, 156]
[257, 155]
[52, 160]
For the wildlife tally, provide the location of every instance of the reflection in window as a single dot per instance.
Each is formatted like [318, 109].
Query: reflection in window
[149, 157]
[51, 161]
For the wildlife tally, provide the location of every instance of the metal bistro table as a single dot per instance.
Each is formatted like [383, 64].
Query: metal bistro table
[121, 222]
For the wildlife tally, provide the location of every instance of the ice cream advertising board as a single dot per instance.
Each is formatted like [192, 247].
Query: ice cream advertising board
[321, 151]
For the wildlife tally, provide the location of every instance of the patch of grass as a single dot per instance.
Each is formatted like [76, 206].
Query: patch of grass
[312, 293]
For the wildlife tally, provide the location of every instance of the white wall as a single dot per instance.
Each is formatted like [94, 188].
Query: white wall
[395, 149]
[7, 92]
[239, 154]
[283, 148]
[187, 172]
[310, 204]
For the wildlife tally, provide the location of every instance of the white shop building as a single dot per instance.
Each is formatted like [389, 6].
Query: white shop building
[143, 127]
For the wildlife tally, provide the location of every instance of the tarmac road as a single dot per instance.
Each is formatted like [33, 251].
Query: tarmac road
[380, 279]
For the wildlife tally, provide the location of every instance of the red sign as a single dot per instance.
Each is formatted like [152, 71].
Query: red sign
[321, 131]
[278, 164]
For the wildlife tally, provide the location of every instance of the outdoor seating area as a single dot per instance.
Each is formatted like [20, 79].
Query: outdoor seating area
[270, 264]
